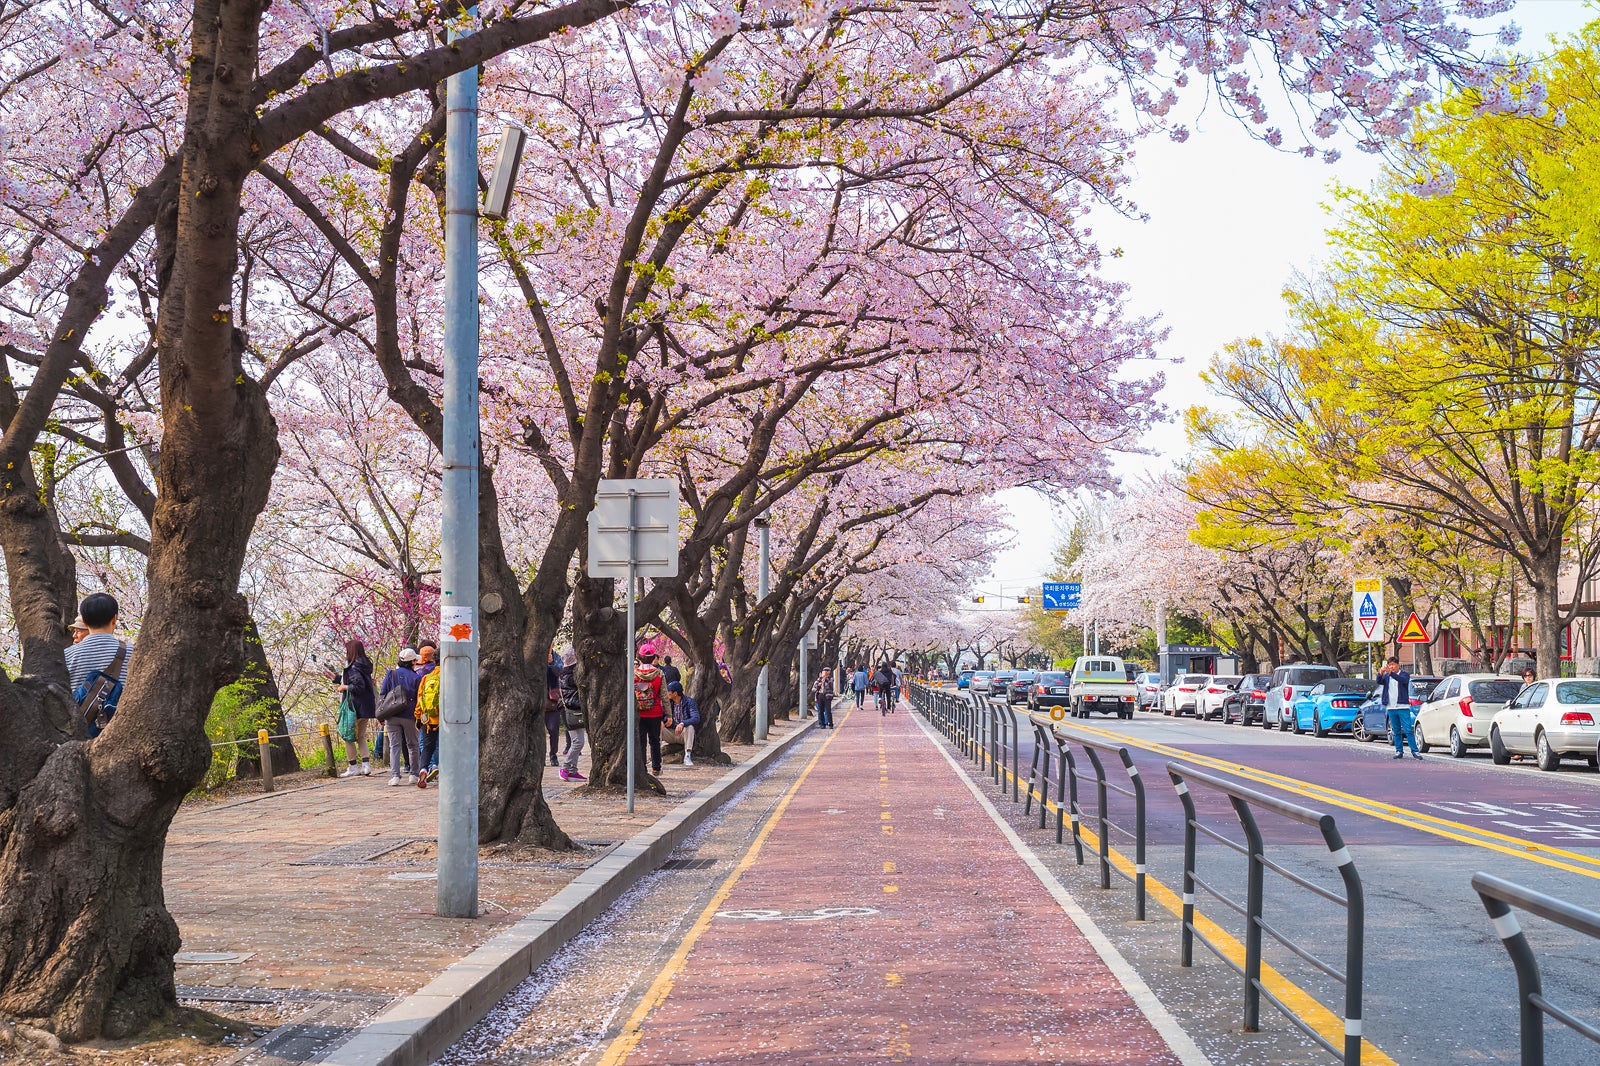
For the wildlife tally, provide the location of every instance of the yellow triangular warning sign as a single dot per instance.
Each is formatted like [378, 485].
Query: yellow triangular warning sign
[1414, 632]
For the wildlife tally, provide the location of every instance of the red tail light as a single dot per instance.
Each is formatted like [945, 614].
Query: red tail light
[1466, 706]
[1577, 718]
[1288, 692]
[1258, 695]
[1185, 688]
[1344, 703]
[1214, 690]
[1415, 702]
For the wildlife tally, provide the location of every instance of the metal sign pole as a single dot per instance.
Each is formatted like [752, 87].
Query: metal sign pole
[457, 888]
[627, 644]
[803, 687]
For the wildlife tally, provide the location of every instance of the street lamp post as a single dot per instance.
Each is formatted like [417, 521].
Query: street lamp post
[763, 526]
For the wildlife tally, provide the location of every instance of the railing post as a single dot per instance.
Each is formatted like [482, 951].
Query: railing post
[1138, 835]
[1104, 830]
[1355, 942]
[264, 741]
[1062, 805]
[1529, 982]
[327, 749]
[1041, 739]
[1255, 889]
[1190, 817]
[1073, 810]
[1033, 772]
[1016, 751]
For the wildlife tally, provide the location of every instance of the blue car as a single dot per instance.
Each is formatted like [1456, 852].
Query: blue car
[965, 679]
[1331, 705]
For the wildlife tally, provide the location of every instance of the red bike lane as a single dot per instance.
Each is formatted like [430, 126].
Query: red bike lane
[883, 915]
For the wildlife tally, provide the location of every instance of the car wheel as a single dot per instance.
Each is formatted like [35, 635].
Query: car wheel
[1294, 724]
[1422, 741]
[1283, 723]
[1458, 747]
[1497, 749]
[1316, 725]
[1544, 754]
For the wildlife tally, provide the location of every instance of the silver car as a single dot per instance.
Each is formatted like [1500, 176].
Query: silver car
[1459, 712]
[1289, 683]
[980, 682]
[1549, 719]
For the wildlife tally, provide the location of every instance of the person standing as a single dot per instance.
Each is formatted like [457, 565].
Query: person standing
[1395, 684]
[858, 683]
[552, 707]
[685, 719]
[572, 713]
[355, 684]
[428, 713]
[824, 693]
[670, 673]
[397, 709]
[647, 687]
[97, 662]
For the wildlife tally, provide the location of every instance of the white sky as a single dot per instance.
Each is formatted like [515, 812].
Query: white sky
[1231, 220]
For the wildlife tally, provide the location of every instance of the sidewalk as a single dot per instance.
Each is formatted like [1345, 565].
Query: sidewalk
[883, 915]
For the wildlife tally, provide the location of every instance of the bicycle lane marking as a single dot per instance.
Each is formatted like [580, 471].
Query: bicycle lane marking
[932, 973]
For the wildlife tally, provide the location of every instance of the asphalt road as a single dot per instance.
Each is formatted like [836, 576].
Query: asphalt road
[1439, 986]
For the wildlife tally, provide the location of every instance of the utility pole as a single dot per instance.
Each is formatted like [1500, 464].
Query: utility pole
[763, 524]
[458, 646]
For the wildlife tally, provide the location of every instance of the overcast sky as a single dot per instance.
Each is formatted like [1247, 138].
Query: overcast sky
[1230, 222]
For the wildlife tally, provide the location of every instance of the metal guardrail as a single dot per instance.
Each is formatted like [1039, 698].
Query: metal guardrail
[1499, 897]
[1093, 749]
[1244, 801]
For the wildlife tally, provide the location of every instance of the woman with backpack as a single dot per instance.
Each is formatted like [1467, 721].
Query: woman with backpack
[355, 686]
[647, 686]
[572, 711]
[397, 709]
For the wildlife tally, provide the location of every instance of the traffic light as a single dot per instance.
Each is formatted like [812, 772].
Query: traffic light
[1024, 599]
[977, 599]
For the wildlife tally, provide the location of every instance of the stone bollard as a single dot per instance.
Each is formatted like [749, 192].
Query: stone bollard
[265, 741]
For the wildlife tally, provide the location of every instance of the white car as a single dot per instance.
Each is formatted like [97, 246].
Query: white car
[1213, 690]
[1461, 709]
[1289, 683]
[1147, 696]
[1549, 719]
[1180, 697]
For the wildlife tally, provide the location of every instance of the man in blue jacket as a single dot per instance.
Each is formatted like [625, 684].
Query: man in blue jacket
[858, 682]
[685, 719]
[1395, 684]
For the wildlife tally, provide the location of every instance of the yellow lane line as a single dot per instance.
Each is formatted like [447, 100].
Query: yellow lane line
[633, 1029]
[1544, 854]
[1300, 1002]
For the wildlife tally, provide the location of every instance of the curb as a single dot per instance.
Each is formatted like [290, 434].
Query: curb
[422, 1026]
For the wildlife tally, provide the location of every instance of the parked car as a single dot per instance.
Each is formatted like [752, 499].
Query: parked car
[979, 682]
[1461, 709]
[1213, 690]
[1147, 691]
[1017, 690]
[1179, 697]
[1099, 683]
[1551, 720]
[964, 679]
[1372, 719]
[1289, 683]
[1051, 688]
[1330, 705]
[1248, 701]
[1000, 683]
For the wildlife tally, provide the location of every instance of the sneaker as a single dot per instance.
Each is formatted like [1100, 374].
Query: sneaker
[573, 775]
[353, 770]
[422, 782]
[1399, 755]
[1416, 755]
[656, 771]
[688, 760]
[366, 768]
[395, 782]
[433, 774]
[411, 779]
[563, 774]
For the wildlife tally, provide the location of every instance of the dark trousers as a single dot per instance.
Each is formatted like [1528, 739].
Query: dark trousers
[552, 730]
[430, 749]
[825, 712]
[861, 697]
[650, 736]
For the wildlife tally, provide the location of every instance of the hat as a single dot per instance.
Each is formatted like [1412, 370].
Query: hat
[647, 649]
[79, 623]
[673, 686]
[408, 655]
[425, 653]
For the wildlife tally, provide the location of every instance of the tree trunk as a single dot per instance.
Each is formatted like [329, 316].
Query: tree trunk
[1545, 581]
[606, 671]
[706, 688]
[264, 689]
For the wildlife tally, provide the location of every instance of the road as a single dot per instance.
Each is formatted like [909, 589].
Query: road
[1439, 986]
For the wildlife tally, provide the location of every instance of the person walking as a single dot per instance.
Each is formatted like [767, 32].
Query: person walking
[397, 710]
[647, 687]
[858, 683]
[1395, 684]
[883, 684]
[428, 713]
[572, 713]
[823, 690]
[552, 707]
[685, 719]
[355, 685]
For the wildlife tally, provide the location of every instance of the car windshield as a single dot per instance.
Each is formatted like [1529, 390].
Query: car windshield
[1494, 691]
[1026, 675]
[1192, 679]
[1103, 668]
[1569, 692]
[1348, 684]
[1422, 687]
[1302, 676]
[1222, 679]
[1258, 680]
[985, 674]
[1052, 678]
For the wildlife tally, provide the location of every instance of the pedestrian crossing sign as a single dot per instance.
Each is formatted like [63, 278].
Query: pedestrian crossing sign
[1414, 632]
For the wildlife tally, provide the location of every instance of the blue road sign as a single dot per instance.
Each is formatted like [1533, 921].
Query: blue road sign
[1062, 595]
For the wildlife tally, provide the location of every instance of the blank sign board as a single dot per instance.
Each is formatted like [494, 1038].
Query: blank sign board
[634, 521]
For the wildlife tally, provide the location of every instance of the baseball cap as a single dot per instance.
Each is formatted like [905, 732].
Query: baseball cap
[648, 649]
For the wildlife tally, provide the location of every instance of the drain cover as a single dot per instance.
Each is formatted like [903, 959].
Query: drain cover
[204, 958]
[414, 877]
[688, 864]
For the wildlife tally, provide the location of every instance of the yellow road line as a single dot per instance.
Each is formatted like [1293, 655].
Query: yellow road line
[1300, 1002]
[1544, 854]
[633, 1029]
